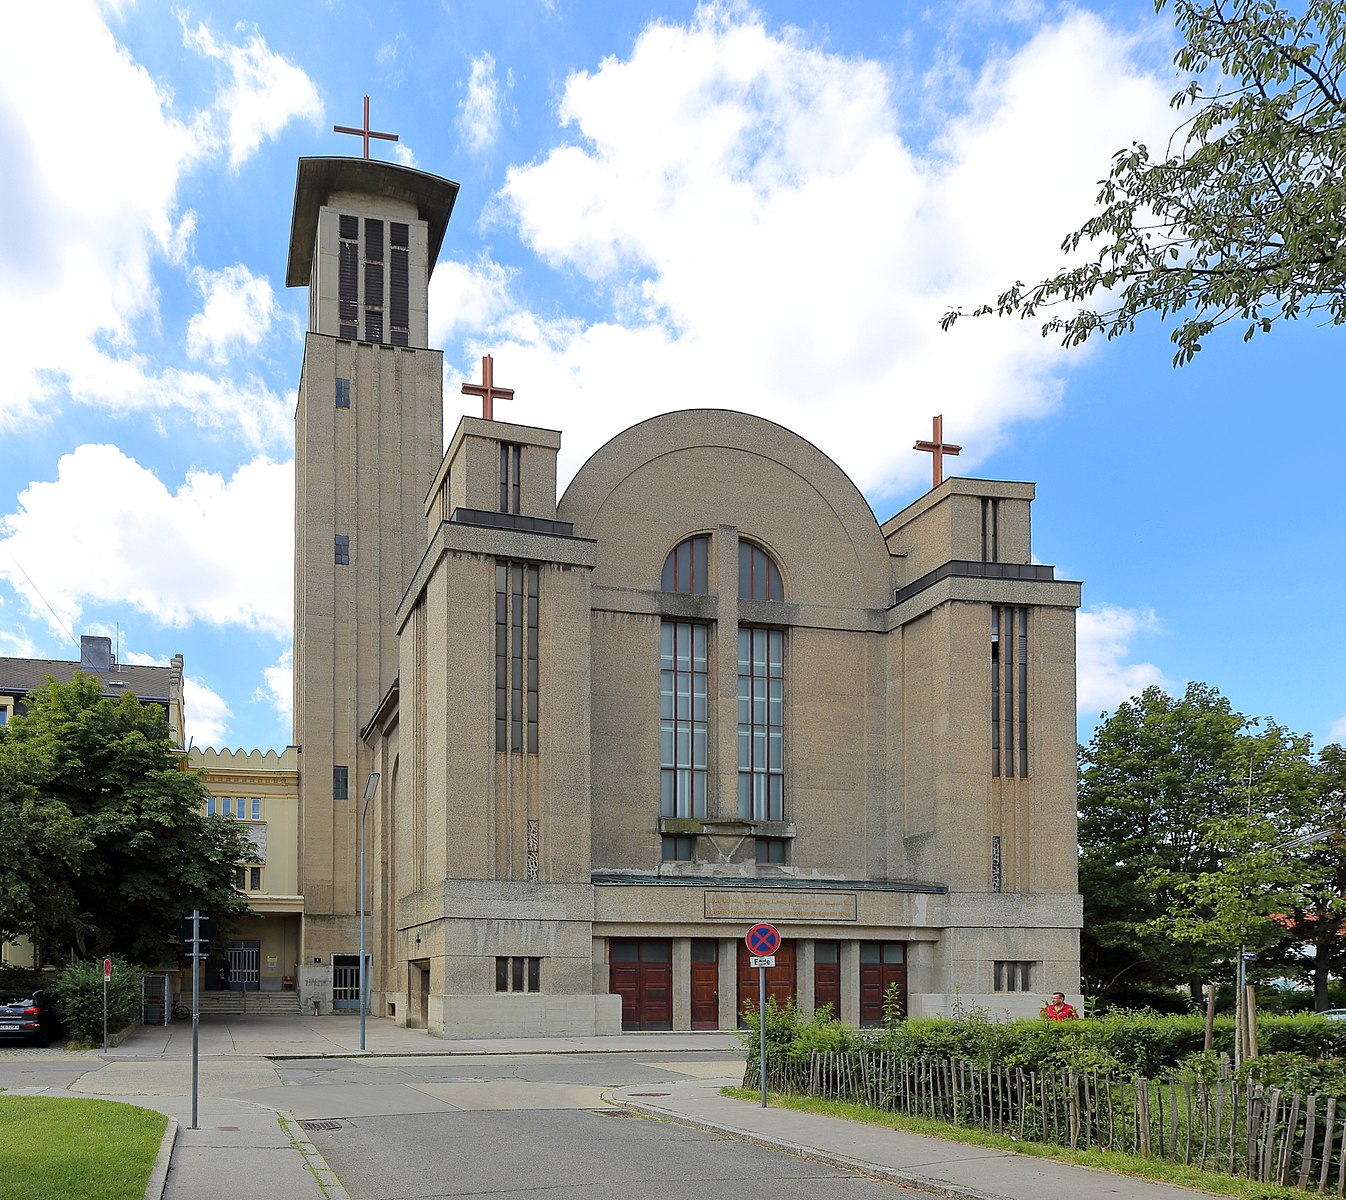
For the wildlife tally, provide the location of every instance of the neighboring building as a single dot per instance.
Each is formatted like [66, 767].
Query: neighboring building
[150, 685]
[262, 791]
[707, 687]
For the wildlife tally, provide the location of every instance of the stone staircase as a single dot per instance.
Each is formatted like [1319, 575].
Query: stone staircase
[270, 1004]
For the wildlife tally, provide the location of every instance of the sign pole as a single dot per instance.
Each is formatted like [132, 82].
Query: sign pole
[107, 975]
[761, 1026]
[196, 1013]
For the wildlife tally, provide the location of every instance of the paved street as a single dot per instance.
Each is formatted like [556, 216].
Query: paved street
[290, 1107]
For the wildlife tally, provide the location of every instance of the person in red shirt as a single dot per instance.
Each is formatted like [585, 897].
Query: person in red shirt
[1059, 1010]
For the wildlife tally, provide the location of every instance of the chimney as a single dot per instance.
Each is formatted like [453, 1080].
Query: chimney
[95, 653]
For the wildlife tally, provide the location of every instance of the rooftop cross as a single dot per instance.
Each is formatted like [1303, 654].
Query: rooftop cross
[486, 389]
[938, 447]
[366, 133]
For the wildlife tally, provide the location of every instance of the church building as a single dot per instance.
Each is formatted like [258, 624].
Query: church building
[703, 687]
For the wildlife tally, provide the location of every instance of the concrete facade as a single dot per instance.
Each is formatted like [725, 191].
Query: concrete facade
[554, 844]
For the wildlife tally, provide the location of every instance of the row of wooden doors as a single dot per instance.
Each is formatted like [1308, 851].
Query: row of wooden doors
[640, 971]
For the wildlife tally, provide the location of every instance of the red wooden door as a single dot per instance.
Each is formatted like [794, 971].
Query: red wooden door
[640, 971]
[705, 984]
[780, 979]
[827, 977]
[882, 965]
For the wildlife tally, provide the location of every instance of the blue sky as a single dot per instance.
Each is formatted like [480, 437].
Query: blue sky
[756, 206]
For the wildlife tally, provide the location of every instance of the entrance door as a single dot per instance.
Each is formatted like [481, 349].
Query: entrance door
[346, 981]
[705, 984]
[883, 965]
[245, 964]
[827, 977]
[780, 979]
[640, 971]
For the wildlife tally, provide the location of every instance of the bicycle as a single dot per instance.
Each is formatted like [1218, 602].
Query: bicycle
[180, 1011]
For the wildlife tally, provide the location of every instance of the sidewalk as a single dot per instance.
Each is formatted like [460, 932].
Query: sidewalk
[930, 1164]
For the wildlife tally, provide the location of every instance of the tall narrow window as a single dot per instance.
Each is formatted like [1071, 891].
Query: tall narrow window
[685, 568]
[341, 779]
[343, 550]
[511, 459]
[348, 279]
[373, 280]
[516, 657]
[990, 529]
[683, 722]
[398, 284]
[761, 724]
[343, 393]
[1009, 691]
[758, 576]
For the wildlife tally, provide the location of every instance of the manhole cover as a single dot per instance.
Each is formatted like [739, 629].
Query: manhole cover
[647, 1093]
[321, 1124]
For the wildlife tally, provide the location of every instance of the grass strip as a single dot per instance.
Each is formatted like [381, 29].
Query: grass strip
[76, 1149]
[1102, 1160]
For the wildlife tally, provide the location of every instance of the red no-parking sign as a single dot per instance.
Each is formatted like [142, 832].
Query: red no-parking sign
[107, 969]
[762, 939]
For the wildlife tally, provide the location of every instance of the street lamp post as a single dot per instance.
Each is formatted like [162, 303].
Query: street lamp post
[370, 788]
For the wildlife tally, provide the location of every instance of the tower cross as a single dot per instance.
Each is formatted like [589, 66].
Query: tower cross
[937, 448]
[365, 132]
[486, 389]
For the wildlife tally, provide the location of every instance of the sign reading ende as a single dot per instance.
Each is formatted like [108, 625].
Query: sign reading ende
[780, 905]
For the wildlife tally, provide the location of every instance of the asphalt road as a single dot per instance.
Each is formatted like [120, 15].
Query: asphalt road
[536, 1127]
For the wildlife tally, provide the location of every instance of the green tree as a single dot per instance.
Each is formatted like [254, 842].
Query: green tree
[1167, 786]
[107, 841]
[1243, 217]
[1314, 943]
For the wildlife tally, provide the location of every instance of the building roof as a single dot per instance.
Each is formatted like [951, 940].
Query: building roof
[19, 676]
[319, 178]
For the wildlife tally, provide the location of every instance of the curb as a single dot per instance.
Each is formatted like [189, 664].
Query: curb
[331, 1186]
[158, 1180]
[936, 1187]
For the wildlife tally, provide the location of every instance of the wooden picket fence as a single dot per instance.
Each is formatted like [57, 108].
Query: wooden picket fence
[1229, 1127]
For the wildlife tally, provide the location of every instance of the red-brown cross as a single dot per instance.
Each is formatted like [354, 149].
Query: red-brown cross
[486, 389]
[938, 447]
[365, 132]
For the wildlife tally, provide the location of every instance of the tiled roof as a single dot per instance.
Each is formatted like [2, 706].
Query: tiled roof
[19, 676]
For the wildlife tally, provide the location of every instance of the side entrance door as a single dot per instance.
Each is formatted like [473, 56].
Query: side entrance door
[883, 965]
[705, 984]
[640, 971]
[346, 981]
[245, 964]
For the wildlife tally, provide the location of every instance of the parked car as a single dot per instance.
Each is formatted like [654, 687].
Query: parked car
[28, 1016]
[1334, 1014]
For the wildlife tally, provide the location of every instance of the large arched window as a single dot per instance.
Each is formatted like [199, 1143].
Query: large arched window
[685, 568]
[758, 575]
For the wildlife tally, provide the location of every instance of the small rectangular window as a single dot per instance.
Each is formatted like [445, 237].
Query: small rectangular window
[517, 973]
[343, 393]
[772, 850]
[678, 847]
[341, 783]
[1012, 975]
[210, 806]
[256, 808]
[240, 807]
[343, 549]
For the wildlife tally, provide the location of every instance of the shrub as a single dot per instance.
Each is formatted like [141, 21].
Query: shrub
[1297, 1073]
[78, 991]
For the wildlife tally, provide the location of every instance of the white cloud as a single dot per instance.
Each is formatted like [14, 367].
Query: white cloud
[205, 712]
[758, 235]
[277, 689]
[479, 109]
[107, 531]
[1338, 732]
[239, 307]
[265, 91]
[80, 282]
[1104, 679]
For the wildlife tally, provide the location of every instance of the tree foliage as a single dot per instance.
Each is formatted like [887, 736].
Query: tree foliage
[106, 835]
[1183, 803]
[1243, 217]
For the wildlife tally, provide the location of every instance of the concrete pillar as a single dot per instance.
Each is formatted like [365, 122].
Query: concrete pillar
[682, 983]
[728, 986]
[850, 983]
[805, 1000]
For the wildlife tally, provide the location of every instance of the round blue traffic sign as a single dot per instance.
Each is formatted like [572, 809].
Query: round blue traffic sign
[762, 939]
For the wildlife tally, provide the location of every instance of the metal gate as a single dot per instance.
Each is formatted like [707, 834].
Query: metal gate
[346, 981]
[245, 965]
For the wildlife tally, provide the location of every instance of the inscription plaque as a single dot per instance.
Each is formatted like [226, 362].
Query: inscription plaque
[761, 904]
